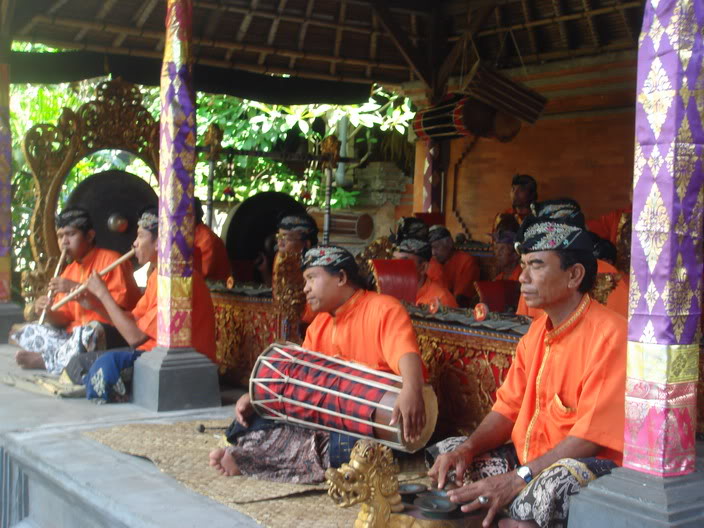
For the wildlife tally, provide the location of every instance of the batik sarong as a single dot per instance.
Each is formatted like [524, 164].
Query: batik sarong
[546, 499]
[57, 346]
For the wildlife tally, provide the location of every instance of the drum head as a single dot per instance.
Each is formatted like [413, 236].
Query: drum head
[110, 196]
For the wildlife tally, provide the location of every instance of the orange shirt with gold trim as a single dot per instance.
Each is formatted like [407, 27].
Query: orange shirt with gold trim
[120, 283]
[370, 328]
[214, 262]
[568, 381]
[202, 316]
[432, 290]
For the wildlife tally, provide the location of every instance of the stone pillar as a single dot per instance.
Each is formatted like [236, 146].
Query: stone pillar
[658, 486]
[173, 375]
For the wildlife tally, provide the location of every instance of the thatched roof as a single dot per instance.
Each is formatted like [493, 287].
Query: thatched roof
[354, 41]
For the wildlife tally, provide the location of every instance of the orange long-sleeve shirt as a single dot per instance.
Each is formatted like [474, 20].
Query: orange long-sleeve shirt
[202, 316]
[370, 328]
[432, 290]
[514, 275]
[214, 260]
[617, 300]
[460, 272]
[120, 283]
[568, 381]
[607, 226]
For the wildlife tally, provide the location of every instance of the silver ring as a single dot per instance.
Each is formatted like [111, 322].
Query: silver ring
[482, 499]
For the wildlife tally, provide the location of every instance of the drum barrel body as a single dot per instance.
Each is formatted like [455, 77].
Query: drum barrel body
[297, 386]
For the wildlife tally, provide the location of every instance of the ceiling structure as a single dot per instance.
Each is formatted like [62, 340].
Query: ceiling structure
[348, 42]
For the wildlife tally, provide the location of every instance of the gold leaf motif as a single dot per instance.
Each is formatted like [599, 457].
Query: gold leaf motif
[651, 296]
[697, 218]
[655, 161]
[677, 297]
[682, 28]
[639, 164]
[648, 334]
[681, 227]
[656, 96]
[652, 227]
[684, 135]
[634, 294]
[656, 32]
[685, 161]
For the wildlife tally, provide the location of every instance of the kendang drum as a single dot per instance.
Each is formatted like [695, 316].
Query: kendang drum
[301, 387]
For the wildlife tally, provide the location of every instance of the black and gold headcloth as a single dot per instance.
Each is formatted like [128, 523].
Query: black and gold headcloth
[546, 234]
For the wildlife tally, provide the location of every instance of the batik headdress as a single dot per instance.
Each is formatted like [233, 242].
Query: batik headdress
[328, 257]
[415, 246]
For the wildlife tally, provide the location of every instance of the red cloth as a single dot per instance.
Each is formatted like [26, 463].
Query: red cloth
[318, 398]
[214, 262]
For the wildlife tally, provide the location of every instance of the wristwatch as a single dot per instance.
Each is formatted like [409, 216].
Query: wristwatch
[525, 473]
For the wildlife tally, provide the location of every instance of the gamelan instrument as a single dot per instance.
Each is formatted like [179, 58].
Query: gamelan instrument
[395, 277]
[294, 385]
[80, 289]
[50, 293]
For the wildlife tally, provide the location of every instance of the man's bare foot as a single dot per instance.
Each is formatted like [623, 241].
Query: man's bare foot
[29, 360]
[223, 462]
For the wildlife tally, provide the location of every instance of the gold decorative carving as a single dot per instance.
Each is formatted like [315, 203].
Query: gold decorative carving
[370, 479]
[288, 283]
[213, 140]
[623, 244]
[650, 229]
[381, 248]
[604, 284]
[115, 119]
[330, 149]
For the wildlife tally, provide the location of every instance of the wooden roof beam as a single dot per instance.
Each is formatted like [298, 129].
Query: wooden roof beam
[104, 11]
[531, 31]
[338, 34]
[590, 23]
[372, 44]
[408, 51]
[272, 32]
[302, 32]
[627, 23]
[139, 19]
[564, 36]
[476, 20]
[29, 26]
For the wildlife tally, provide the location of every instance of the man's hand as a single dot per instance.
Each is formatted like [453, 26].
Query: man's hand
[96, 286]
[500, 490]
[61, 285]
[411, 409]
[458, 459]
[40, 303]
[243, 409]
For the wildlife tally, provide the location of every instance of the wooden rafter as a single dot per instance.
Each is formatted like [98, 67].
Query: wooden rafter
[256, 68]
[140, 18]
[564, 37]
[564, 18]
[590, 23]
[222, 44]
[476, 20]
[338, 34]
[246, 21]
[531, 31]
[302, 32]
[104, 11]
[272, 31]
[372, 44]
[626, 23]
[399, 38]
[29, 26]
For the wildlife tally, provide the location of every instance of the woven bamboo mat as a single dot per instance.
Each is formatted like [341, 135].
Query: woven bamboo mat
[181, 452]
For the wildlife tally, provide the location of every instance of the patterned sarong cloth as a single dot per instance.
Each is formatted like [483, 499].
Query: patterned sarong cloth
[57, 346]
[109, 377]
[546, 499]
[279, 368]
[284, 453]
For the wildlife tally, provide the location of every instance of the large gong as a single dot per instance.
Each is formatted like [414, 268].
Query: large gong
[250, 222]
[114, 200]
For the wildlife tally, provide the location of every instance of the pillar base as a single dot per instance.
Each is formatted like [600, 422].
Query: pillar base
[10, 314]
[631, 499]
[175, 379]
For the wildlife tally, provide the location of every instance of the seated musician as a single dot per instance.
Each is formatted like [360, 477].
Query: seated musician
[214, 262]
[139, 327]
[352, 324]
[429, 291]
[460, 269]
[77, 325]
[569, 210]
[562, 403]
[506, 260]
[524, 192]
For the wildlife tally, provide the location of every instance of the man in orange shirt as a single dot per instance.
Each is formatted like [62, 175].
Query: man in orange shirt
[76, 326]
[562, 404]
[355, 325]
[524, 193]
[429, 291]
[508, 262]
[139, 327]
[460, 270]
[211, 258]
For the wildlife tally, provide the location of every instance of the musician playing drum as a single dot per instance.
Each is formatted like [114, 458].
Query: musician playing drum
[76, 326]
[353, 324]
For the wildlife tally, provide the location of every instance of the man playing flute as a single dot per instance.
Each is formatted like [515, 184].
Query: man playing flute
[77, 326]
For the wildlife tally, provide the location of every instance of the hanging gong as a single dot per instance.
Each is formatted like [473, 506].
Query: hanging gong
[114, 200]
[250, 222]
